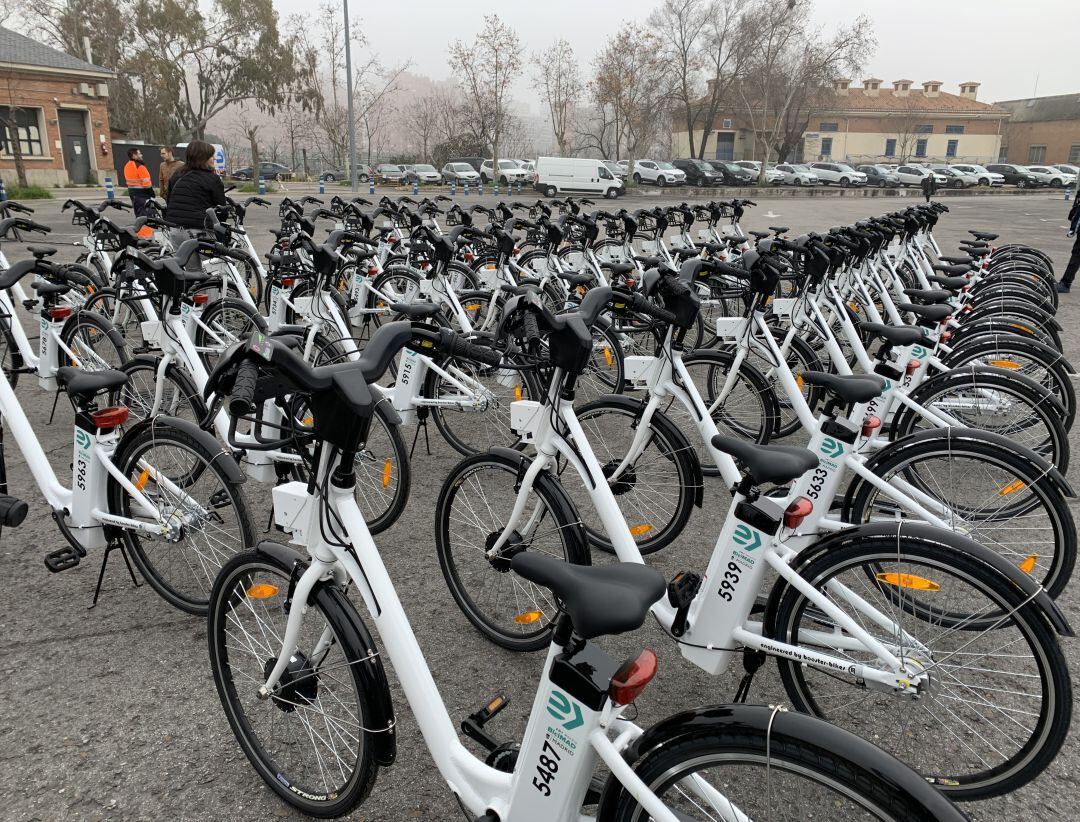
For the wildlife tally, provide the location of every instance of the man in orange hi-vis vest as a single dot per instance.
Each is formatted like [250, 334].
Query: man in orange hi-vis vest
[140, 186]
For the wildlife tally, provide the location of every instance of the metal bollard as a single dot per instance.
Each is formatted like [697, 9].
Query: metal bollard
[3, 193]
[480, 188]
[496, 192]
[262, 184]
[110, 194]
[519, 186]
[466, 188]
[416, 186]
[322, 186]
[371, 185]
[453, 188]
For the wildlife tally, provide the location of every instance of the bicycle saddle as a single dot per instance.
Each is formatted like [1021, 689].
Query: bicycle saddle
[619, 268]
[600, 600]
[40, 251]
[929, 295]
[774, 464]
[958, 260]
[574, 280]
[982, 235]
[893, 334]
[416, 311]
[761, 235]
[930, 313]
[847, 387]
[685, 253]
[954, 270]
[951, 283]
[779, 229]
[713, 248]
[84, 385]
[45, 288]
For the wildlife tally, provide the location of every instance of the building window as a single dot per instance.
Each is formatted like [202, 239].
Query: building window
[920, 148]
[950, 148]
[826, 147]
[1036, 155]
[727, 122]
[924, 128]
[890, 147]
[954, 129]
[25, 122]
[829, 127]
[1074, 155]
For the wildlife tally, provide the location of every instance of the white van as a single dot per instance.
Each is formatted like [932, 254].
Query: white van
[558, 175]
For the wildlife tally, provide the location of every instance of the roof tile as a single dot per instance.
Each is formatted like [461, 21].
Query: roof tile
[19, 49]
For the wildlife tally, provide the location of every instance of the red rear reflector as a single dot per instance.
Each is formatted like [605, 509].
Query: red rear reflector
[632, 677]
[799, 510]
[912, 367]
[201, 299]
[60, 312]
[288, 281]
[870, 425]
[945, 336]
[468, 256]
[110, 417]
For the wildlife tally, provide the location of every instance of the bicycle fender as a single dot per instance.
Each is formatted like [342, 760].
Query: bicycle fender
[783, 726]
[375, 687]
[1027, 587]
[637, 407]
[223, 458]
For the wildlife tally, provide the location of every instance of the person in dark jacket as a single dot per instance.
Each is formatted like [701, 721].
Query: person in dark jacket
[929, 185]
[194, 188]
[1069, 275]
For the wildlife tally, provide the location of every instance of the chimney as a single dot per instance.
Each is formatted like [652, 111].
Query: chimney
[901, 88]
[86, 48]
[931, 88]
[840, 86]
[969, 90]
[871, 86]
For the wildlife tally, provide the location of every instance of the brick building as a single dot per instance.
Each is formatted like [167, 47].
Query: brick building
[59, 107]
[874, 124]
[1042, 130]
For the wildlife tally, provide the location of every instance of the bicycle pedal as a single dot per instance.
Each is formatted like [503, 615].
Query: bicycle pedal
[62, 559]
[473, 726]
[681, 591]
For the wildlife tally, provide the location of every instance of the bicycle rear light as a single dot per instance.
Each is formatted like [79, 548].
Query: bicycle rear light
[632, 677]
[912, 367]
[60, 312]
[870, 425]
[200, 299]
[110, 417]
[795, 513]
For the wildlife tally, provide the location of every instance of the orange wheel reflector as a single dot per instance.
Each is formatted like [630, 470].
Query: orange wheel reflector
[517, 392]
[473, 307]
[529, 617]
[1028, 565]
[387, 472]
[1012, 488]
[140, 483]
[89, 289]
[309, 420]
[607, 357]
[1012, 366]
[908, 581]
[799, 381]
[1022, 327]
[262, 590]
[854, 306]
[638, 530]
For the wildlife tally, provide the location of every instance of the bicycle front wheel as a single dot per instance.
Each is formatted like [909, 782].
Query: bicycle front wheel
[201, 513]
[312, 741]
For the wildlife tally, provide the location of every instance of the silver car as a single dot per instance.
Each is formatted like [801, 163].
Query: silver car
[460, 173]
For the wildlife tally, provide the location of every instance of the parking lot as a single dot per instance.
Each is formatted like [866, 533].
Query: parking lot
[111, 713]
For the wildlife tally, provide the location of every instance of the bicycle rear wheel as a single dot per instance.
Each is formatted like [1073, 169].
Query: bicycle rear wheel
[93, 341]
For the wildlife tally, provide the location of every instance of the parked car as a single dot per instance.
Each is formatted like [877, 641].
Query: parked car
[1068, 168]
[732, 174]
[772, 176]
[1015, 175]
[423, 174]
[528, 165]
[954, 177]
[475, 162]
[912, 175]
[389, 173]
[980, 173]
[618, 169]
[457, 172]
[880, 176]
[1050, 176]
[841, 174]
[555, 175]
[658, 172]
[332, 174]
[797, 174]
[698, 172]
[268, 171]
[509, 172]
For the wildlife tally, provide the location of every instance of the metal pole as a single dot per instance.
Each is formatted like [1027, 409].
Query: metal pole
[353, 180]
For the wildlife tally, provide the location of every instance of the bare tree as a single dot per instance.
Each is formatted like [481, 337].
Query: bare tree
[725, 53]
[559, 82]
[686, 24]
[424, 127]
[486, 68]
[9, 131]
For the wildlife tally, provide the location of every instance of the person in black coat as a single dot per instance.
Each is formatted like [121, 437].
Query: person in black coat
[1066, 281]
[194, 188]
[929, 185]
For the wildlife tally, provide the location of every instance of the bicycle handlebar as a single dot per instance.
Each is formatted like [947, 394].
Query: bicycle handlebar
[242, 398]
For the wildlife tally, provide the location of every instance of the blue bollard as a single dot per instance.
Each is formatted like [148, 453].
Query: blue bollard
[110, 194]
[262, 185]
[453, 188]
[416, 186]
[466, 188]
[371, 185]
[480, 188]
[3, 193]
[519, 186]
[322, 186]
[496, 189]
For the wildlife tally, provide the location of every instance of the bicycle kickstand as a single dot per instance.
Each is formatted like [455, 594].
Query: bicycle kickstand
[421, 423]
[752, 661]
[113, 545]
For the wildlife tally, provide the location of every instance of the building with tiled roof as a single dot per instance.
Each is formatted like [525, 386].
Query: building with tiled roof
[1042, 130]
[56, 106]
[873, 124]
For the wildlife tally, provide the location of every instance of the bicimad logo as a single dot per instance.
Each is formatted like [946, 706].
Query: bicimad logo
[83, 439]
[746, 537]
[565, 710]
[831, 448]
[919, 352]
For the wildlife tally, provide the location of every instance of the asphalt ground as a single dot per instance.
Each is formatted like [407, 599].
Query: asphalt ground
[111, 713]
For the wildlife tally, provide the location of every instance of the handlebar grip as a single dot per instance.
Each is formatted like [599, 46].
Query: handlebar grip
[645, 306]
[12, 510]
[242, 399]
[458, 346]
[530, 327]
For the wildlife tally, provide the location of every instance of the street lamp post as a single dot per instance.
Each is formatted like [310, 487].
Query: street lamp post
[349, 87]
